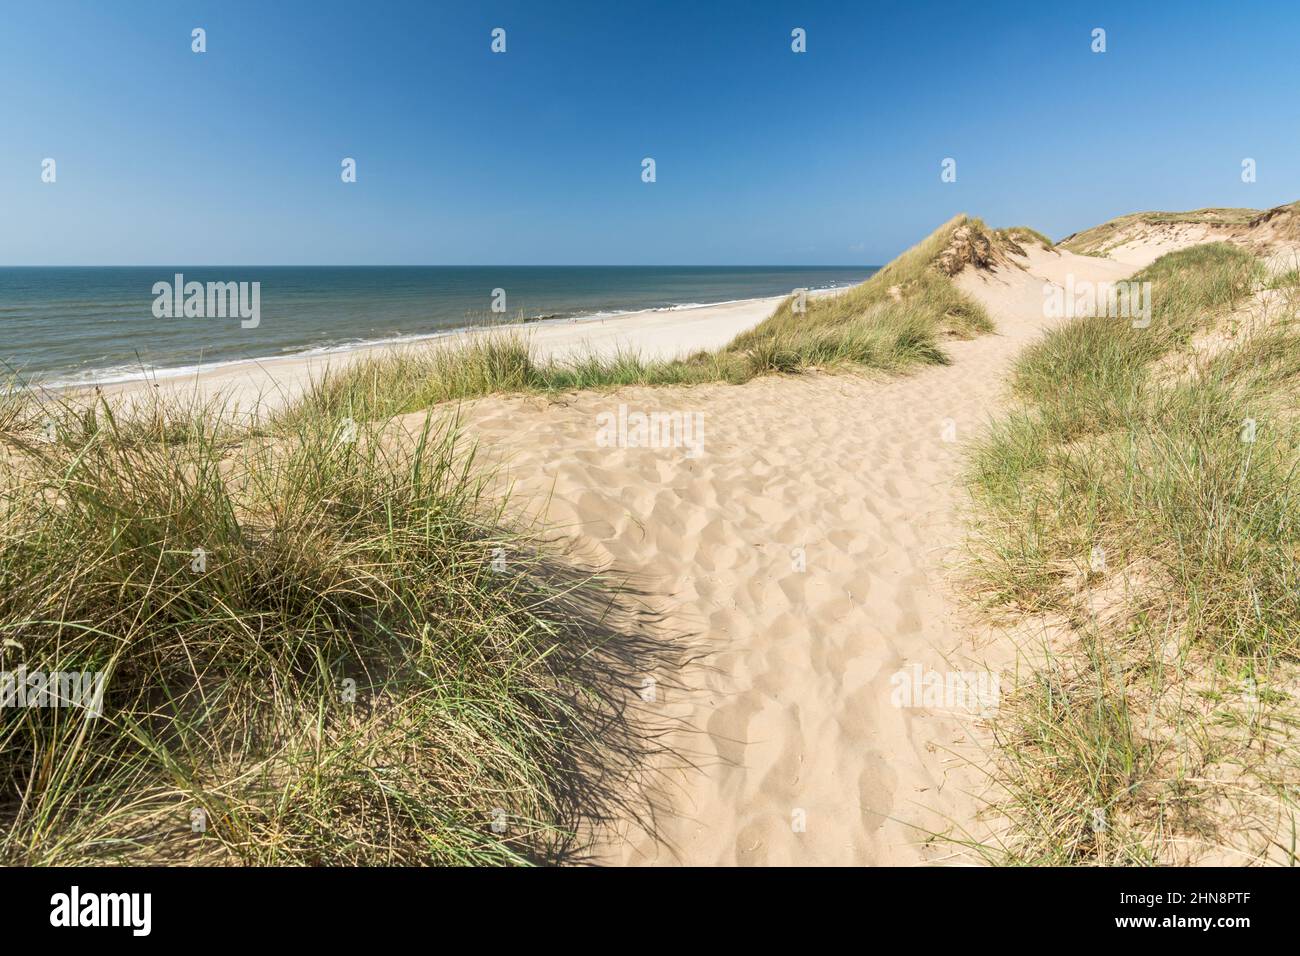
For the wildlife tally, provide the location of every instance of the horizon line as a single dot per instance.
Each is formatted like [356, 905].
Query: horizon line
[439, 265]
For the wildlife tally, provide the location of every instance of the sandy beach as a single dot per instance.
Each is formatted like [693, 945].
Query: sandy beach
[653, 333]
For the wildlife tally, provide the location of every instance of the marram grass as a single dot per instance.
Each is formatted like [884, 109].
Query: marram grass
[1159, 515]
[325, 647]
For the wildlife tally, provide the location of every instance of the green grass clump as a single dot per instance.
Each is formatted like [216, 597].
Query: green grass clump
[1286, 281]
[1023, 235]
[498, 362]
[19, 408]
[910, 297]
[1198, 592]
[366, 667]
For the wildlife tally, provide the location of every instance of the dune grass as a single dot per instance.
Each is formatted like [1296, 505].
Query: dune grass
[908, 299]
[1288, 280]
[1023, 235]
[894, 320]
[18, 407]
[326, 648]
[1158, 516]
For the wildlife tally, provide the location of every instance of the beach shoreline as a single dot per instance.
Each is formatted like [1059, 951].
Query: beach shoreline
[269, 383]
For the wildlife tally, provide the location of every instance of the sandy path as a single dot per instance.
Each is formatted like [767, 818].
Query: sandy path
[791, 711]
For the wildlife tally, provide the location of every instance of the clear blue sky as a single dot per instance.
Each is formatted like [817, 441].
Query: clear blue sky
[533, 157]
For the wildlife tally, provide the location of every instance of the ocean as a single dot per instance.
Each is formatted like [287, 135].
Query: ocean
[76, 325]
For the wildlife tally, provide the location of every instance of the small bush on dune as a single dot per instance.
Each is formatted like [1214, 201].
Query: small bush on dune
[1024, 235]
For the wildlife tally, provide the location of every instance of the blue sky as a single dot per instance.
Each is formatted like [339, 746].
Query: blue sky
[534, 156]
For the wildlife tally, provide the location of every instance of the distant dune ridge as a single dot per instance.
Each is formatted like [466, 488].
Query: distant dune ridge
[932, 482]
[1141, 237]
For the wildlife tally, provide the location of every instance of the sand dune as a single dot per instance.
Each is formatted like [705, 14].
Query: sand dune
[1139, 239]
